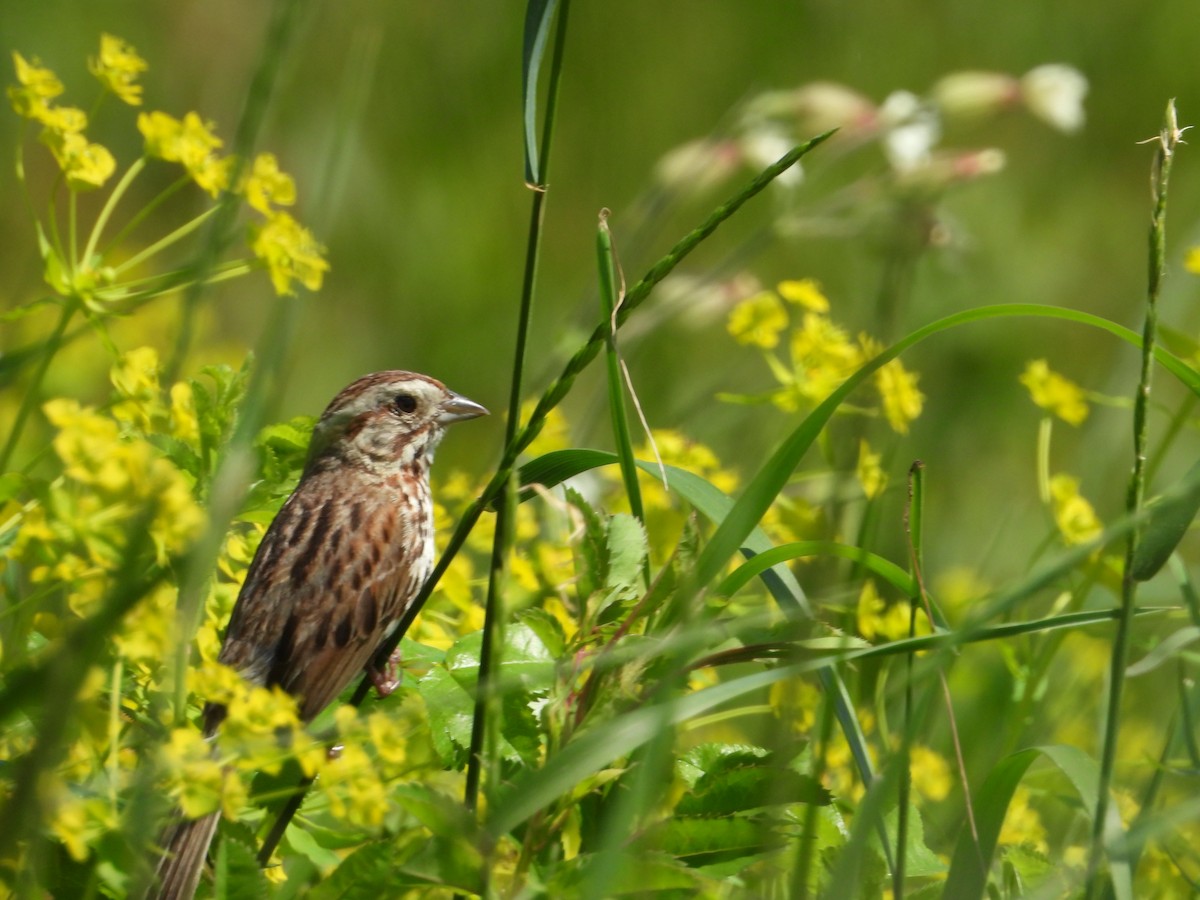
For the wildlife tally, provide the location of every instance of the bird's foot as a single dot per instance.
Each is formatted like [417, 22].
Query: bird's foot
[387, 679]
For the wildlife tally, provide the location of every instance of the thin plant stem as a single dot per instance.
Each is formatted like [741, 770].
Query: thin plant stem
[73, 229]
[142, 214]
[483, 719]
[163, 243]
[1168, 140]
[110, 205]
[33, 391]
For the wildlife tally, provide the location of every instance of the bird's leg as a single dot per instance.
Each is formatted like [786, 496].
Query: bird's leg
[386, 679]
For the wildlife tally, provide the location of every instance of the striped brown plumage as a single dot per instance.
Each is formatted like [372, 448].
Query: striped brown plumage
[339, 565]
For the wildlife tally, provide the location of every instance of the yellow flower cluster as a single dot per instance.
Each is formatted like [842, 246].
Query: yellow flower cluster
[1054, 393]
[879, 620]
[1073, 514]
[84, 164]
[287, 250]
[821, 355]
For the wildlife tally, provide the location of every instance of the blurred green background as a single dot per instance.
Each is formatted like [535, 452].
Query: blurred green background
[401, 122]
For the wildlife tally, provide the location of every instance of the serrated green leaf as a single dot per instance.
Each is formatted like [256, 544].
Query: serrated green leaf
[443, 815]
[590, 550]
[714, 838]
[525, 661]
[694, 763]
[919, 860]
[626, 550]
[745, 788]
[548, 629]
[236, 873]
[451, 714]
[640, 875]
[366, 874]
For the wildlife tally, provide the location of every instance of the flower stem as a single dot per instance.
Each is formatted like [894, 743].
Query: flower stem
[174, 237]
[34, 389]
[111, 204]
[1168, 140]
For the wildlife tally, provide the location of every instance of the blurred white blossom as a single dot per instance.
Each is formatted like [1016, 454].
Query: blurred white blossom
[975, 93]
[1054, 93]
[912, 129]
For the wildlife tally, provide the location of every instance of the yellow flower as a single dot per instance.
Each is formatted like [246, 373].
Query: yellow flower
[823, 355]
[902, 402]
[185, 426]
[1055, 393]
[267, 185]
[135, 376]
[1022, 824]
[118, 67]
[195, 776]
[889, 622]
[1074, 516]
[355, 792]
[388, 737]
[38, 85]
[85, 165]
[930, 773]
[869, 473]
[757, 320]
[805, 292]
[64, 119]
[290, 252]
[1191, 262]
[190, 143]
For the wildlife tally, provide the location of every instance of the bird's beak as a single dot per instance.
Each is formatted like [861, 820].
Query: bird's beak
[457, 408]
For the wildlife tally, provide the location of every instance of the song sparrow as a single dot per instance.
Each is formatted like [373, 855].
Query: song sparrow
[340, 563]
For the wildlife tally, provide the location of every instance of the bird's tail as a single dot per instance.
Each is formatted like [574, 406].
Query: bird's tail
[185, 845]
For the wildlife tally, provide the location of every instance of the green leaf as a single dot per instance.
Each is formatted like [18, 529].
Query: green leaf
[750, 787]
[368, 873]
[1164, 652]
[443, 815]
[557, 466]
[643, 874]
[590, 550]
[626, 549]
[704, 841]
[919, 860]
[538, 16]
[236, 872]
[968, 878]
[451, 713]
[1170, 518]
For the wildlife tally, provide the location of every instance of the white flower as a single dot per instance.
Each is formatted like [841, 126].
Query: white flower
[1054, 93]
[913, 129]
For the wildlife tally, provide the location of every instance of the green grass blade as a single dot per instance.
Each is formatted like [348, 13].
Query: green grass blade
[538, 16]
[607, 263]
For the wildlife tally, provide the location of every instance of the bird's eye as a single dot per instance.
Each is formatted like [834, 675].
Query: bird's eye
[404, 403]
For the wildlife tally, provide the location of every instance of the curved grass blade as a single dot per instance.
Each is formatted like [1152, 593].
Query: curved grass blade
[877, 565]
[969, 867]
